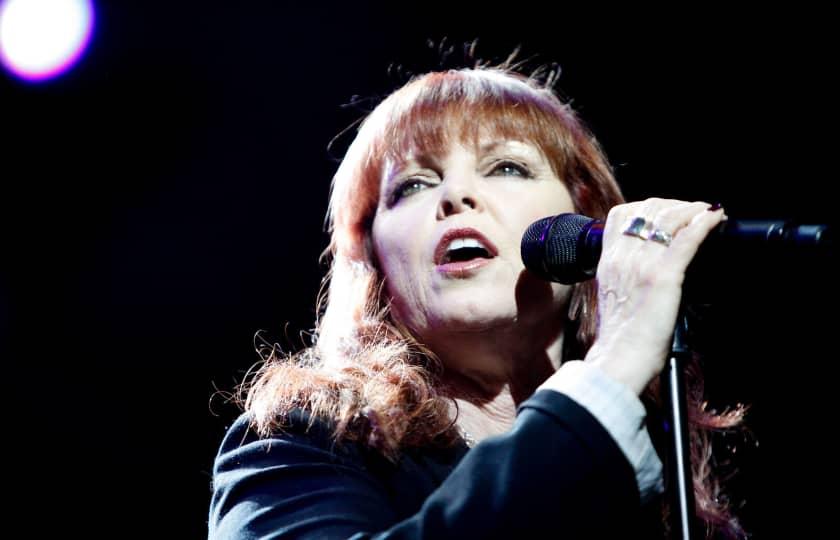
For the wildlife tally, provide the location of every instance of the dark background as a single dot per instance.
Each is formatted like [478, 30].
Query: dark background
[164, 201]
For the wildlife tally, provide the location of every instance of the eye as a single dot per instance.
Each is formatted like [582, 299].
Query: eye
[407, 188]
[511, 168]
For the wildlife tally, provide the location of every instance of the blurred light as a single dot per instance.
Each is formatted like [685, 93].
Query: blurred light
[40, 39]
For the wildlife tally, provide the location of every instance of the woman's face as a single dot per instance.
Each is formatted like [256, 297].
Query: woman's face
[498, 191]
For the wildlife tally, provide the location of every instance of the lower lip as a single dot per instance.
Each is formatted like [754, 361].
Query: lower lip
[462, 268]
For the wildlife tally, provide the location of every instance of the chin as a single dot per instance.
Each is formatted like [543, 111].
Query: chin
[475, 316]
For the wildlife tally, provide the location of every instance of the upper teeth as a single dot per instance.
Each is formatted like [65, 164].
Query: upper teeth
[459, 243]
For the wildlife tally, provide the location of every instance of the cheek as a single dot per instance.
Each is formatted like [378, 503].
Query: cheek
[392, 253]
[381, 241]
[398, 238]
[395, 254]
[402, 283]
[536, 202]
[556, 200]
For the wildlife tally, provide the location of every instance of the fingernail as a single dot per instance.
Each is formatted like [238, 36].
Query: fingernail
[715, 207]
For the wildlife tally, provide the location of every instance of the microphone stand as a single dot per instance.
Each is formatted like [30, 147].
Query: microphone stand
[678, 480]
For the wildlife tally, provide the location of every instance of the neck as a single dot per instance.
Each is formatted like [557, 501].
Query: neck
[488, 374]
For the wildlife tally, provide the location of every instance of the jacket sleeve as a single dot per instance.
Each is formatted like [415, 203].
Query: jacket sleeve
[621, 413]
[557, 473]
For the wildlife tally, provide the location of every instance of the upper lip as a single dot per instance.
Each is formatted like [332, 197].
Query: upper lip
[463, 232]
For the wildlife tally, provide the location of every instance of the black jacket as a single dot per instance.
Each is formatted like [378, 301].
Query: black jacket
[556, 474]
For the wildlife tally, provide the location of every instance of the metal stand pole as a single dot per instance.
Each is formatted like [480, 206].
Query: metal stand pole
[678, 480]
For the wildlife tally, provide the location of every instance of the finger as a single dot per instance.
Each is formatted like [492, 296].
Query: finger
[685, 245]
[667, 255]
[675, 217]
[620, 217]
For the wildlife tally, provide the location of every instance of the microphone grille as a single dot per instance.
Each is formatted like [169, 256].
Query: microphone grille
[550, 248]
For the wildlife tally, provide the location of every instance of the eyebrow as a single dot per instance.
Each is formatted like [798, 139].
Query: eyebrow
[521, 146]
[489, 147]
[427, 161]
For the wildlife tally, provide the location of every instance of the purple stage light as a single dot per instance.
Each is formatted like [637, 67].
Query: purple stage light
[41, 39]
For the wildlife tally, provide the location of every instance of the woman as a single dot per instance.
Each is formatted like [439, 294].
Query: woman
[448, 391]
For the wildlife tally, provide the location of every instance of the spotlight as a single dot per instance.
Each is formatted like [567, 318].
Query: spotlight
[41, 39]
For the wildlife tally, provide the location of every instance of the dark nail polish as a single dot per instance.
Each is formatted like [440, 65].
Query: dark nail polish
[715, 207]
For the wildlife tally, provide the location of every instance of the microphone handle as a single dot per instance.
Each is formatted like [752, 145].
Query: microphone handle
[773, 232]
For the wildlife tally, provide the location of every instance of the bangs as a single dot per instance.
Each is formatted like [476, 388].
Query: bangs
[470, 108]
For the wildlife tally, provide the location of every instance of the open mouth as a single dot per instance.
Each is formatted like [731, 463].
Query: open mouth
[462, 250]
[464, 254]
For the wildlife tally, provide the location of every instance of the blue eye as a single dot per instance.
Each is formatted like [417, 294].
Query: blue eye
[406, 188]
[512, 169]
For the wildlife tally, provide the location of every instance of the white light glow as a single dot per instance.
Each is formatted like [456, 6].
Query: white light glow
[40, 39]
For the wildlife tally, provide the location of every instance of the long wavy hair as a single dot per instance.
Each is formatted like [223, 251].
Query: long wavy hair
[364, 372]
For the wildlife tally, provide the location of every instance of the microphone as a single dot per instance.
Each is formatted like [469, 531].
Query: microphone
[566, 248]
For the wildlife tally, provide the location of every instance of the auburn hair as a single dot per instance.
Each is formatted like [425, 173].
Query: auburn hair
[364, 372]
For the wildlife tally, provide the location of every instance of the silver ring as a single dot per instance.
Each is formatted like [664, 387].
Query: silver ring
[638, 227]
[660, 237]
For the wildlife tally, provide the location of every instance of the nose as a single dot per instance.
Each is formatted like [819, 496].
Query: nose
[457, 196]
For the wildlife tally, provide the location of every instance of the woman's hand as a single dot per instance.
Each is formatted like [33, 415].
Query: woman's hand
[640, 278]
